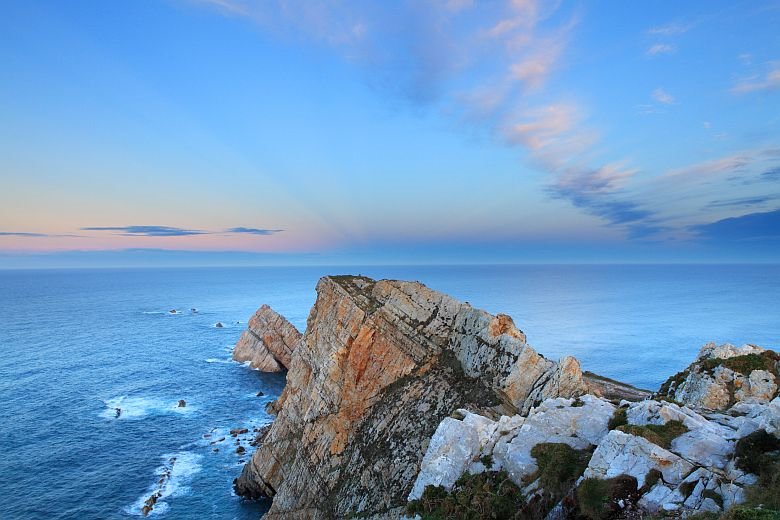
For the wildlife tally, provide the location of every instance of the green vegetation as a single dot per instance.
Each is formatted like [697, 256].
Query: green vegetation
[745, 364]
[673, 382]
[660, 434]
[577, 403]
[487, 461]
[597, 499]
[559, 466]
[489, 495]
[618, 418]
[757, 452]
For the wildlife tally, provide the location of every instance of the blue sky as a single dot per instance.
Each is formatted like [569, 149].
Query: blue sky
[237, 131]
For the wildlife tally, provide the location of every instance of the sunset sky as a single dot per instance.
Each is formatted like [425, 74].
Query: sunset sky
[164, 132]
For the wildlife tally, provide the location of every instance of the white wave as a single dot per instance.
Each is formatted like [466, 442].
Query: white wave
[215, 360]
[172, 479]
[124, 407]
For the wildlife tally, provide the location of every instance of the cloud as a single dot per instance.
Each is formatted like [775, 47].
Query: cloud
[753, 226]
[662, 96]
[772, 174]
[660, 49]
[253, 231]
[21, 234]
[744, 202]
[149, 231]
[767, 82]
[670, 29]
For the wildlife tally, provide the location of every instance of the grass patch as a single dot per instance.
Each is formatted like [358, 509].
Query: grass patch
[577, 403]
[559, 465]
[597, 499]
[487, 461]
[619, 418]
[751, 513]
[489, 495]
[756, 452]
[660, 434]
[744, 365]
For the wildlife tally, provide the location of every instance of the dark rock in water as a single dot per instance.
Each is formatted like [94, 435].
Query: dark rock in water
[240, 450]
[118, 412]
[238, 431]
[194, 310]
[182, 403]
[219, 325]
[215, 450]
[206, 435]
[217, 441]
[172, 311]
[260, 393]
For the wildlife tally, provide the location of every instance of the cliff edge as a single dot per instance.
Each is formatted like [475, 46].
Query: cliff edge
[380, 365]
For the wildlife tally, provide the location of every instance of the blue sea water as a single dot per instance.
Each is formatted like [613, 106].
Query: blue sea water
[77, 344]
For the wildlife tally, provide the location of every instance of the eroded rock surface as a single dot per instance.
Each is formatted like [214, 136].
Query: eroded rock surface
[380, 366]
[268, 342]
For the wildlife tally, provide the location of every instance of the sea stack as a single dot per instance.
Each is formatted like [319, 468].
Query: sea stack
[268, 342]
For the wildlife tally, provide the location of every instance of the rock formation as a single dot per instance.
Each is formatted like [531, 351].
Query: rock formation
[268, 342]
[723, 375]
[395, 389]
[380, 365]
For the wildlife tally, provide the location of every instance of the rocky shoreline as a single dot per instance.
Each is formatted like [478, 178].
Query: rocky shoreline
[404, 402]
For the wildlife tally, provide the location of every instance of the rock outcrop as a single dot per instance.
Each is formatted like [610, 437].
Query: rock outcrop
[395, 388]
[723, 375]
[380, 365]
[268, 342]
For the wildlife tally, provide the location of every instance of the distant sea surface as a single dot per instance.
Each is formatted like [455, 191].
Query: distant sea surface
[75, 345]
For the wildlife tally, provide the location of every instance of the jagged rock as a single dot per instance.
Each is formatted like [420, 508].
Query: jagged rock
[554, 421]
[708, 384]
[706, 443]
[268, 342]
[380, 366]
[182, 403]
[623, 454]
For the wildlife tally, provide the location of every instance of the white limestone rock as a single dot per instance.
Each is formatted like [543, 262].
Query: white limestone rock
[620, 453]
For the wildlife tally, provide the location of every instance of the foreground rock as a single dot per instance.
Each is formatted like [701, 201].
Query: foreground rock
[268, 342]
[379, 367]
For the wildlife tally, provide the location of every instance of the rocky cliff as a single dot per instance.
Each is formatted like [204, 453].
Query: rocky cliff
[378, 368]
[268, 342]
[400, 399]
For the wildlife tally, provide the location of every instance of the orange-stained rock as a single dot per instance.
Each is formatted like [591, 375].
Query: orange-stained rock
[380, 365]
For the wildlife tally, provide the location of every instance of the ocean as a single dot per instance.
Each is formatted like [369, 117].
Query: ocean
[76, 345]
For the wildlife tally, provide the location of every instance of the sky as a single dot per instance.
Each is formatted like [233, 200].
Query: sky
[276, 132]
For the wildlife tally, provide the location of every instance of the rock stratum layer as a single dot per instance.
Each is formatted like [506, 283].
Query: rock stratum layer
[378, 368]
[268, 342]
[395, 390]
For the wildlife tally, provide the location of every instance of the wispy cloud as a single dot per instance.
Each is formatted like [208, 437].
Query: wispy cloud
[764, 82]
[21, 234]
[670, 29]
[744, 202]
[662, 96]
[253, 231]
[148, 231]
[745, 228]
[167, 231]
[659, 49]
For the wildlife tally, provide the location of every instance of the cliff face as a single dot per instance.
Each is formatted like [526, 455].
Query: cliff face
[378, 368]
[268, 342]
